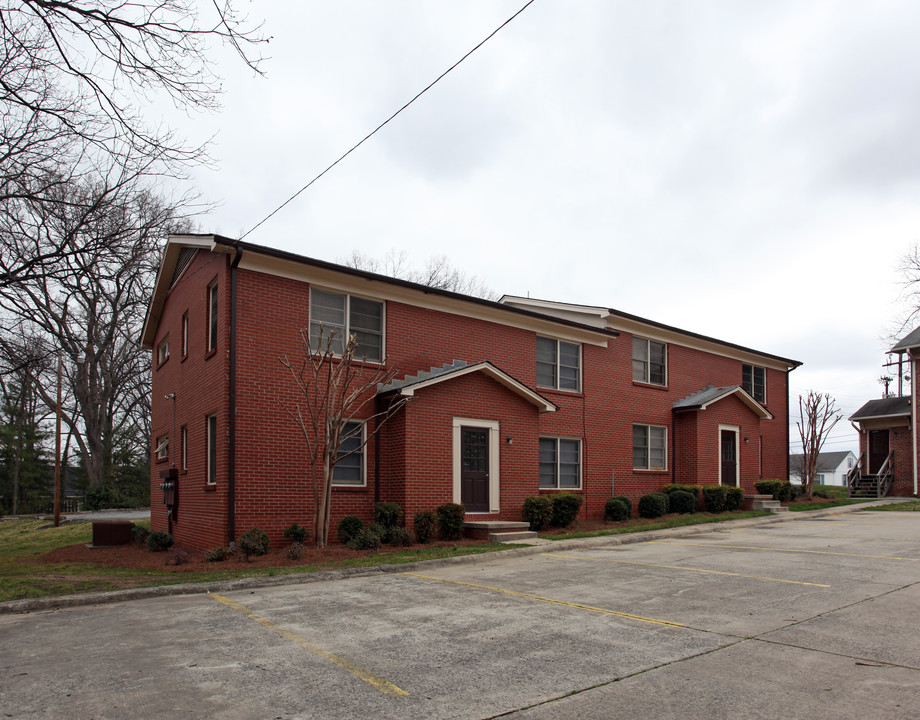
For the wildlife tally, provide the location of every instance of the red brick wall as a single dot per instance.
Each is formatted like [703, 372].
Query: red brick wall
[272, 470]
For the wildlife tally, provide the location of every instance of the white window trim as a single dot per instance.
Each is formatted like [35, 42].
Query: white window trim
[651, 469]
[559, 488]
[494, 480]
[208, 440]
[348, 296]
[737, 430]
[558, 374]
[648, 363]
[363, 484]
[163, 350]
[162, 450]
[751, 392]
[213, 312]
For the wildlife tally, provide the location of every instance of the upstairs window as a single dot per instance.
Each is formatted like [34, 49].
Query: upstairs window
[558, 364]
[650, 447]
[162, 448]
[349, 467]
[754, 382]
[346, 315]
[649, 362]
[163, 351]
[185, 333]
[211, 449]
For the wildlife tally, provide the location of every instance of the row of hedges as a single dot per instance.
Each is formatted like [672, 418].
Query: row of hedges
[685, 498]
[557, 509]
[780, 490]
[446, 522]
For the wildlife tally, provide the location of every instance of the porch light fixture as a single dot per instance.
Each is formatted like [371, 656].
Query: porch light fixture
[509, 440]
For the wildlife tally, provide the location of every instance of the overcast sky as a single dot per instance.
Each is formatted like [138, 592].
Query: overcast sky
[744, 170]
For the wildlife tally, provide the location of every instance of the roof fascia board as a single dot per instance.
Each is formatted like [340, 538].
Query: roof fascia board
[589, 315]
[370, 286]
[495, 373]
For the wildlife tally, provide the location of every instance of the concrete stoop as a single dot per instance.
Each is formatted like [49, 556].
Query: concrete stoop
[765, 503]
[498, 531]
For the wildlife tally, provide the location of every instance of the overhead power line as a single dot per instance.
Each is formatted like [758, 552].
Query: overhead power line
[381, 125]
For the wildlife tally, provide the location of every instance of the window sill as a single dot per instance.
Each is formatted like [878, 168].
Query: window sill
[647, 471]
[650, 386]
[210, 487]
[210, 353]
[552, 490]
[349, 488]
[567, 393]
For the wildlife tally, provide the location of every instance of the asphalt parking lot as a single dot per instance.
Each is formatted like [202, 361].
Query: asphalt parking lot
[804, 617]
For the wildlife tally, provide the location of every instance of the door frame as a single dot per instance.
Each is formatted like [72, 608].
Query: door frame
[873, 468]
[494, 481]
[737, 432]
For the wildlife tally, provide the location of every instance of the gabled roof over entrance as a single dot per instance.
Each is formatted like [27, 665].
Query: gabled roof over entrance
[911, 340]
[707, 396]
[883, 408]
[408, 385]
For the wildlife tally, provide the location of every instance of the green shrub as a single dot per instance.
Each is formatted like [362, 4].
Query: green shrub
[388, 514]
[788, 491]
[399, 536]
[769, 487]
[680, 501]
[714, 498]
[100, 497]
[294, 551]
[450, 520]
[820, 492]
[675, 487]
[425, 523]
[365, 539]
[627, 502]
[139, 534]
[615, 509]
[734, 498]
[253, 543]
[348, 527]
[565, 508]
[177, 555]
[296, 534]
[538, 511]
[217, 554]
[653, 505]
[159, 541]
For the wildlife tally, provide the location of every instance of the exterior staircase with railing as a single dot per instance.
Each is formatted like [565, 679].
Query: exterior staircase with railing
[873, 485]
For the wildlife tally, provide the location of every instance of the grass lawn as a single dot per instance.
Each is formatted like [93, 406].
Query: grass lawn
[909, 506]
[801, 506]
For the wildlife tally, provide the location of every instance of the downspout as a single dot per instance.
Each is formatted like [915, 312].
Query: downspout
[231, 403]
[788, 397]
[377, 451]
[913, 416]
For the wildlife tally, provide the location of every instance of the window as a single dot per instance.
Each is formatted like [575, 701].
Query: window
[349, 468]
[650, 447]
[163, 351]
[162, 449]
[560, 463]
[211, 448]
[345, 315]
[649, 362]
[184, 449]
[754, 382]
[212, 316]
[558, 364]
[185, 333]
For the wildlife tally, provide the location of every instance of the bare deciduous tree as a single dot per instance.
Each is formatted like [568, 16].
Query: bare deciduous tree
[438, 272]
[336, 388]
[818, 414]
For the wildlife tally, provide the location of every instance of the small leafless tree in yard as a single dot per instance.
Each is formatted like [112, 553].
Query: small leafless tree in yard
[818, 414]
[336, 387]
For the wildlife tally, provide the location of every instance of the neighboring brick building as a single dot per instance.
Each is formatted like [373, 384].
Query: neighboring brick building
[549, 396]
[888, 431]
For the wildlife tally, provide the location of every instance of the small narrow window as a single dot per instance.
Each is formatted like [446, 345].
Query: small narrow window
[349, 466]
[185, 333]
[211, 448]
[163, 351]
[212, 317]
[184, 449]
[162, 448]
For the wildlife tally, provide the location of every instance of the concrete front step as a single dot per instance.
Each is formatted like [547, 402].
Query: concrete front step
[511, 537]
[771, 505]
[485, 529]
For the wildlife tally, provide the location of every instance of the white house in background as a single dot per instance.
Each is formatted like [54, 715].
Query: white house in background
[832, 468]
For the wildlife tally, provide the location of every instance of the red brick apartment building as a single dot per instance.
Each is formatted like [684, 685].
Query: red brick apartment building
[550, 396]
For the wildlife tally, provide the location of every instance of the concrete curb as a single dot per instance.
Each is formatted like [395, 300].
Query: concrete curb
[222, 586]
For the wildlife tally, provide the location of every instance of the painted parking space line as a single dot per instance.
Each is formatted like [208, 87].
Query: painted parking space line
[868, 538]
[528, 596]
[786, 550]
[376, 681]
[688, 569]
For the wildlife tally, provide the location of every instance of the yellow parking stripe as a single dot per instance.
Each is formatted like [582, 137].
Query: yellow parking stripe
[681, 567]
[869, 538]
[550, 600]
[788, 550]
[378, 682]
